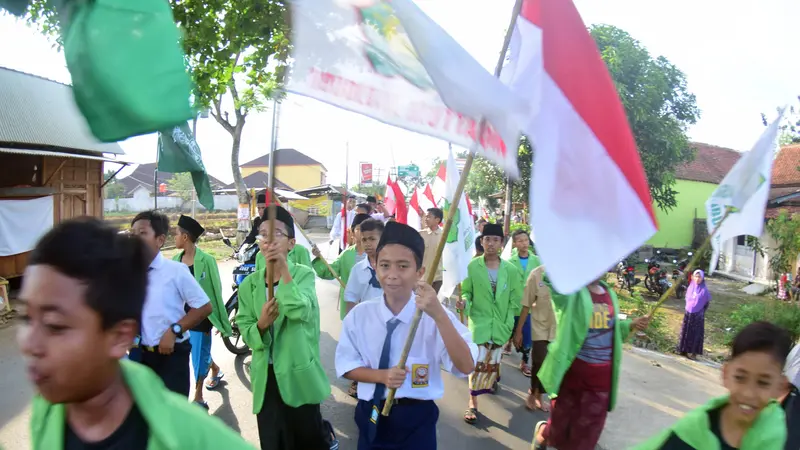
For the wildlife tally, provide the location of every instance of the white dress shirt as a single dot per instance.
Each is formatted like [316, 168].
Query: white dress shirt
[170, 285]
[361, 344]
[358, 288]
[337, 230]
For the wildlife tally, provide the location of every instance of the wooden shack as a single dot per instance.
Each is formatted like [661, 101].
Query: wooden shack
[48, 161]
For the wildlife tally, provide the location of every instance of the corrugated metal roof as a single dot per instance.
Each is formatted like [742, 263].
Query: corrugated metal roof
[42, 114]
[61, 155]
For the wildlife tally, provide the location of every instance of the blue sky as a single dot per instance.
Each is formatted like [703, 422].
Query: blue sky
[739, 59]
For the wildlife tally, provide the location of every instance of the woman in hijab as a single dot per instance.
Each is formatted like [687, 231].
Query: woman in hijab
[698, 298]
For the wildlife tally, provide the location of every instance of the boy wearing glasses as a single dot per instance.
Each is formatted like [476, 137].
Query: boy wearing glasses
[287, 377]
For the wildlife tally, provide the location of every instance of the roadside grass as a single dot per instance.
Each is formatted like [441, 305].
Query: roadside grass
[663, 334]
[215, 248]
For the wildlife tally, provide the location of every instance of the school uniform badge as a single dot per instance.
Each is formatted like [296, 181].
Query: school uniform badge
[420, 376]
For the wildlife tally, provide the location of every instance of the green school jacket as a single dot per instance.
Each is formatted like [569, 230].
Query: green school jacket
[491, 316]
[533, 262]
[174, 423]
[573, 315]
[206, 273]
[767, 433]
[298, 255]
[295, 343]
[343, 265]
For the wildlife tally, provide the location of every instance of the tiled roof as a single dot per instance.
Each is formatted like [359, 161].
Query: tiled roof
[772, 213]
[143, 176]
[40, 114]
[710, 165]
[284, 157]
[258, 180]
[785, 168]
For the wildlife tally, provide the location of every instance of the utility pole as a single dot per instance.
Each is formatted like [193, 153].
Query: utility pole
[507, 218]
[194, 191]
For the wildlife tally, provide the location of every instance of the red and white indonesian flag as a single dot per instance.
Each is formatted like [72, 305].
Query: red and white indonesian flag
[440, 184]
[414, 217]
[426, 199]
[395, 201]
[590, 200]
[389, 61]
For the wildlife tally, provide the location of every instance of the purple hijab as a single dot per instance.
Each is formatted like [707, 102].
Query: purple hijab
[697, 295]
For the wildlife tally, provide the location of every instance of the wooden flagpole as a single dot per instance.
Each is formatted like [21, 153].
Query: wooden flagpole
[271, 207]
[451, 212]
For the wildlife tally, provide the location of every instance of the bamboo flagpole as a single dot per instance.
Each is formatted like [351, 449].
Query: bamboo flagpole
[387, 407]
[271, 207]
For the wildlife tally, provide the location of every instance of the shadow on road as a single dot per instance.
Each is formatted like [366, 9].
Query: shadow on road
[242, 365]
[16, 390]
[225, 412]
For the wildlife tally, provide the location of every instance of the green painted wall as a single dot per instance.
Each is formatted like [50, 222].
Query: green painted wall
[675, 227]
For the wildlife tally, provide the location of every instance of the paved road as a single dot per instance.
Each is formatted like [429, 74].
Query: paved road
[655, 390]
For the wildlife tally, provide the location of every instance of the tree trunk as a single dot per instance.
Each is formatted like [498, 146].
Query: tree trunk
[238, 180]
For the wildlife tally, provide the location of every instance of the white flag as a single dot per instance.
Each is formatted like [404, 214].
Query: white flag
[460, 241]
[300, 239]
[743, 194]
[389, 61]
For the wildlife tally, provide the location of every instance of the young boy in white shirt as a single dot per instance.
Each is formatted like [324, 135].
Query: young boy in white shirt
[371, 343]
[363, 283]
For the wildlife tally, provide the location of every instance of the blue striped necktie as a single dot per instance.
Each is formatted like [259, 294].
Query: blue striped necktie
[380, 388]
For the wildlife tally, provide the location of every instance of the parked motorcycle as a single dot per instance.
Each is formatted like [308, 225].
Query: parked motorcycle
[662, 284]
[653, 269]
[679, 276]
[247, 258]
[626, 275]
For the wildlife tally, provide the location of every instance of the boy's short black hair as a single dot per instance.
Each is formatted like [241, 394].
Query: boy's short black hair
[111, 265]
[478, 245]
[365, 207]
[519, 232]
[372, 225]
[358, 219]
[159, 221]
[764, 337]
[436, 212]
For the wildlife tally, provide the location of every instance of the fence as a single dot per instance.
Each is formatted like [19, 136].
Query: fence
[143, 203]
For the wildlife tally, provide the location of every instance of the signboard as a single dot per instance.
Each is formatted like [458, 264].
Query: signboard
[411, 170]
[318, 206]
[366, 173]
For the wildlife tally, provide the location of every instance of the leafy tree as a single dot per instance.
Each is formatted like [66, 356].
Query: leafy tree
[114, 188]
[790, 129]
[236, 53]
[785, 231]
[182, 185]
[659, 108]
[373, 189]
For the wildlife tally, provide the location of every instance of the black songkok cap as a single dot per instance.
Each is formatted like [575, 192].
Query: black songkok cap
[371, 199]
[191, 226]
[493, 229]
[283, 216]
[398, 233]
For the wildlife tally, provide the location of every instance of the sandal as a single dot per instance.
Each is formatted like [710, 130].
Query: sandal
[471, 416]
[213, 382]
[202, 404]
[526, 369]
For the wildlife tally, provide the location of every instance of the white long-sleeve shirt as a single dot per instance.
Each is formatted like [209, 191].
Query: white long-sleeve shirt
[337, 230]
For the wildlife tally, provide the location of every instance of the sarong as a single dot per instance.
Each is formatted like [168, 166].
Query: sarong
[692, 333]
[487, 371]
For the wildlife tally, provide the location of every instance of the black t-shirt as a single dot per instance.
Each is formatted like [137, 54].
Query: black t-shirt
[133, 434]
[675, 443]
[204, 326]
[791, 406]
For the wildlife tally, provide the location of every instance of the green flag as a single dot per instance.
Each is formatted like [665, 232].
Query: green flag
[178, 152]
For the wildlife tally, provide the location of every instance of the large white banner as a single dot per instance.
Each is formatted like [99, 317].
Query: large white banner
[460, 241]
[23, 222]
[389, 61]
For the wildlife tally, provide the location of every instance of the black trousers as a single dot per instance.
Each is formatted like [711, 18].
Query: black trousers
[173, 369]
[538, 354]
[281, 427]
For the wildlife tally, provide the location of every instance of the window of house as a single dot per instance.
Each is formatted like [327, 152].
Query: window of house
[741, 240]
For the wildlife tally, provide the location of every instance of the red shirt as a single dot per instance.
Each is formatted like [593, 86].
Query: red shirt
[591, 369]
